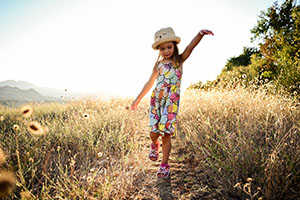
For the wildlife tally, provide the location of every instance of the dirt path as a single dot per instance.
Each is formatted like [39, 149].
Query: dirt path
[185, 180]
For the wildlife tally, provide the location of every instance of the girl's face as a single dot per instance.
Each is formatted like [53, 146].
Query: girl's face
[166, 49]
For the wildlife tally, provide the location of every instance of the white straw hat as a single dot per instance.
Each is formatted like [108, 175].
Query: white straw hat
[164, 35]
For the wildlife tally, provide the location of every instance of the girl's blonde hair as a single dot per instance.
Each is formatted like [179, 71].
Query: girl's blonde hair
[176, 57]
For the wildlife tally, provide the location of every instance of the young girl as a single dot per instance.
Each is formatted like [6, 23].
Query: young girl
[165, 97]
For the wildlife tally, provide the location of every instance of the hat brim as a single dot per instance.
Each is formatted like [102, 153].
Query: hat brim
[169, 39]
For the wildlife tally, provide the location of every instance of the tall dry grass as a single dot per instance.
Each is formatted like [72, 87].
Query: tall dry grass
[246, 143]
[246, 140]
[85, 151]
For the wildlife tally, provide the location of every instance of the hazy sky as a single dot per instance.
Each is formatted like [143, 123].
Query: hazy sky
[101, 45]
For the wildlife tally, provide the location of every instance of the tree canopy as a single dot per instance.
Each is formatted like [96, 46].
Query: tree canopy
[277, 56]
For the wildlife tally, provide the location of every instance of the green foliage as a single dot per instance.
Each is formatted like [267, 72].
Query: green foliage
[267, 74]
[241, 60]
[279, 30]
[289, 78]
[278, 58]
[274, 20]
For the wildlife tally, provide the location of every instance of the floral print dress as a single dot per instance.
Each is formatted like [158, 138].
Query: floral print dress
[165, 98]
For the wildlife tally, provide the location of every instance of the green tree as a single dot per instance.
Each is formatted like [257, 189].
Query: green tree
[241, 60]
[278, 56]
[278, 30]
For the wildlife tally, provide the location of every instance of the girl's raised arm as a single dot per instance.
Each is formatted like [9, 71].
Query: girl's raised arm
[188, 50]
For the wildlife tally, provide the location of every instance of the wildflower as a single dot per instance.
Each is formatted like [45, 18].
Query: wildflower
[89, 179]
[249, 179]
[295, 93]
[26, 111]
[7, 182]
[261, 81]
[72, 163]
[35, 128]
[292, 141]
[266, 80]
[1, 118]
[16, 127]
[100, 154]
[248, 187]
[244, 76]
[2, 157]
[293, 108]
[25, 195]
[86, 116]
[237, 185]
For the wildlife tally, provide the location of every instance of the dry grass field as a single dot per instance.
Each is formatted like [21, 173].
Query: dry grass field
[231, 144]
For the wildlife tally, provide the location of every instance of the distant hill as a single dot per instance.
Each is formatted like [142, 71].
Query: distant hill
[41, 90]
[24, 91]
[8, 93]
[19, 84]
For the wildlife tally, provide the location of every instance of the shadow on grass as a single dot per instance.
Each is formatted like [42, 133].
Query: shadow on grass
[164, 187]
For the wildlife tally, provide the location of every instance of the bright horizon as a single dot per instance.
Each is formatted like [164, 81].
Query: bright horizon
[105, 46]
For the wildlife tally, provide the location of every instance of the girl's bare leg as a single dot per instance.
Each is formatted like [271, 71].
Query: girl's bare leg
[166, 148]
[154, 137]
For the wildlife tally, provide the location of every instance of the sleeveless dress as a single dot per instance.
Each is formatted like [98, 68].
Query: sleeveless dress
[165, 98]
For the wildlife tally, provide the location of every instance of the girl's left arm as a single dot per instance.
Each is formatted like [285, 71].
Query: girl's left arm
[188, 50]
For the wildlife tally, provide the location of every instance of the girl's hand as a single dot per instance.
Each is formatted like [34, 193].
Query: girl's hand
[134, 104]
[205, 32]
